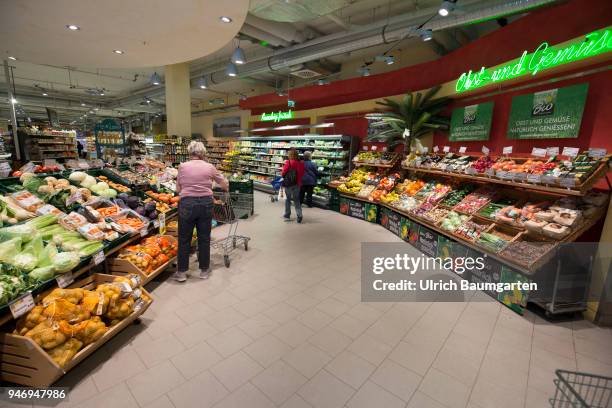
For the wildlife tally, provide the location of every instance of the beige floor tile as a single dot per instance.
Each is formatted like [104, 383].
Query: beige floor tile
[594, 349]
[117, 368]
[272, 296]
[333, 307]
[293, 333]
[194, 312]
[456, 365]
[319, 291]
[315, 319]
[490, 394]
[159, 350]
[282, 313]
[230, 341]
[537, 399]
[161, 402]
[387, 331]
[226, 318]
[420, 400]
[296, 402]
[587, 364]
[350, 326]
[370, 349]
[445, 389]
[307, 359]
[195, 333]
[117, 396]
[193, 361]
[416, 357]
[236, 370]
[162, 324]
[396, 379]
[202, 391]
[365, 313]
[372, 395]
[330, 340]
[251, 307]
[267, 349]
[302, 301]
[246, 396]
[222, 301]
[326, 391]
[149, 385]
[279, 381]
[350, 368]
[258, 326]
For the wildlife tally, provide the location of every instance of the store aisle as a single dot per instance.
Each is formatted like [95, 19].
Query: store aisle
[284, 326]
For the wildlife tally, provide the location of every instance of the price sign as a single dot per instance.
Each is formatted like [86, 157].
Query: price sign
[567, 182]
[485, 150]
[552, 151]
[507, 150]
[510, 175]
[156, 223]
[519, 176]
[597, 153]
[548, 179]
[162, 223]
[64, 280]
[462, 149]
[365, 148]
[570, 151]
[538, 152]
[534, 178]
[99, 258]
[22, 305]
[374, 148]
[144, 231]
[501, 174]
[436, 149]
[446, 149]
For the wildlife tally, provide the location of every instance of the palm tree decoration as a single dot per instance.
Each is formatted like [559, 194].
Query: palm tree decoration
[407, 121]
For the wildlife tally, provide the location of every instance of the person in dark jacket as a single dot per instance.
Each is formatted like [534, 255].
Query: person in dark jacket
[309, 180]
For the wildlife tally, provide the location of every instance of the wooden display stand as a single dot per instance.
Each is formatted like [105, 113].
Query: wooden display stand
[24, 362]
[123, 267]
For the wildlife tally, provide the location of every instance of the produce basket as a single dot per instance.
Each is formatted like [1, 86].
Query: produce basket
[140, 259]
[123, 267]
[25, 362]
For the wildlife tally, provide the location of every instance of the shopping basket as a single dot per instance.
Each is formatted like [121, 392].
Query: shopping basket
[277, 184]
[581, 390]
[228, 209]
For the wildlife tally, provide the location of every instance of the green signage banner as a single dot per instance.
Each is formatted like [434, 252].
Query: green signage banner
[551, 114]
[471, 122]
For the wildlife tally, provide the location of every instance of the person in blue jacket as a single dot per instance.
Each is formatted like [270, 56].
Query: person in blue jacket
[309, 180]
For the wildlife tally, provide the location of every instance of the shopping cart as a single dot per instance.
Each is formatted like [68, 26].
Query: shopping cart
[277, 184]
[228, 209]
[581, 390]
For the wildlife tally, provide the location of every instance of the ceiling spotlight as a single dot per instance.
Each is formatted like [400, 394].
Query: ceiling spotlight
[230, 70]
[155, 79]
[83, 104]
[13, 101]
[12, 58]
[446, 7]
[96, 108]
[238, 56]
[101, 93]
[147, 100]
[364, 71]
[203, 83]
[44, 93]
[118, 52]
[389, 59]
[426, 34]
[225, 19]
[73, 27]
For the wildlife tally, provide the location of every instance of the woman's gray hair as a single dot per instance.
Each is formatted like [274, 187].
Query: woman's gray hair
[307, 155]
[196, 149]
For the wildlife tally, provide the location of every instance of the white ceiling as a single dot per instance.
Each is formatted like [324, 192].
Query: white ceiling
[150, 32]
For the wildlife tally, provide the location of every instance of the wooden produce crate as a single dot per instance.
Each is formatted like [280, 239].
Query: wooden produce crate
[24, 362]
[123, 267]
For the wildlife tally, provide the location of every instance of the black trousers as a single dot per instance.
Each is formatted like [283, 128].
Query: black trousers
[194, 212]
[306, 191]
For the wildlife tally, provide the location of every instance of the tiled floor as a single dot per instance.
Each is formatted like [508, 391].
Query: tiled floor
[284, 327]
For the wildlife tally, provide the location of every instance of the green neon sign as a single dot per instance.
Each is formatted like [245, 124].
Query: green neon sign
[276, 116]
[542, 58]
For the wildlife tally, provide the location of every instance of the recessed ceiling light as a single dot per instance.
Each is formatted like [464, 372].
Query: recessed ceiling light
[225, 19]
[45, 94]
[73, 27]
[118, 52]
[83, 104]
[12, 58]
[101, 93]
[13, 101]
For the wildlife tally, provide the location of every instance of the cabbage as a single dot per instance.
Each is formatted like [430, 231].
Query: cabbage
[88, 182]
[108, 193]
[23, 231]
[42, 274]
[47, 255]
[77, 176]
[65, 261]
[25, 261]
[102, 186]
[8, 250]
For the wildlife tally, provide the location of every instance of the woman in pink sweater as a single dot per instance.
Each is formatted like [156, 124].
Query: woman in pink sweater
[194, 183]
[292, 173]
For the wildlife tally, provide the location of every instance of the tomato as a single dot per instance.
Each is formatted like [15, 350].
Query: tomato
[17, 173]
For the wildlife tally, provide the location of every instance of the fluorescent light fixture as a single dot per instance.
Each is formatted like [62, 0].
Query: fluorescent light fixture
[73, 27]
[446, 7]
[118, 52]
[101, 93]
[426, 34]
[225, 19]
[155, 79]
[12, 58]
[231, 70]
[44, 93]
[202, 83]
[238, 56]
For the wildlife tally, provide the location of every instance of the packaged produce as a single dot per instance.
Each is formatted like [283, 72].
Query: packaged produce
[62, 309]
[47, 334]
[27, 201]
[14, 210]
[49, 209]
[555, 231]
[474, 201]
[535, 226]
[140, 259]
[491, 241]
[65, 352]
[567, 217]
[30, 320]
[72, 295]
[546, 215]
[366, 191]
[471, 230]
[91, 232]
[73, 221]
[493, 208]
